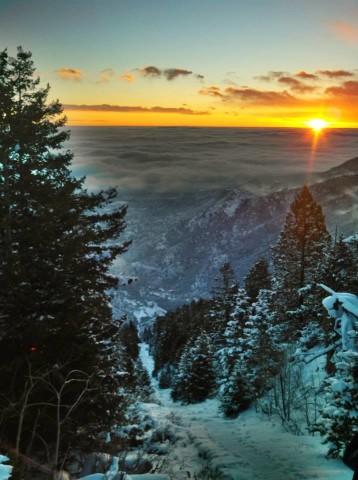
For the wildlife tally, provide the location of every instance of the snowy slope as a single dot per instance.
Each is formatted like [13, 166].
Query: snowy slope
[251, 447]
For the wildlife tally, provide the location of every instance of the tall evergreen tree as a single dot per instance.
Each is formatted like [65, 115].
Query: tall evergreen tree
[296, 258]
[261, 350]
[228, 353]
[237, 393]
[301, 246]
[338, 418]
[223, 303]
[251, 359]
[235, 327]
[56, 246]
[130, 339]
[258, 278]
[196, 377]
[339, 268]
[231, 350]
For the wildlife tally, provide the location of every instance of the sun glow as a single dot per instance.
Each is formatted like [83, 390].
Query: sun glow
[317, 124]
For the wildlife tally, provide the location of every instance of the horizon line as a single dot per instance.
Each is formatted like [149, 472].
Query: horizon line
[214, 126]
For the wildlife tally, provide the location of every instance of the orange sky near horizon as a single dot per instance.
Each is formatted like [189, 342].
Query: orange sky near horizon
[255, 117]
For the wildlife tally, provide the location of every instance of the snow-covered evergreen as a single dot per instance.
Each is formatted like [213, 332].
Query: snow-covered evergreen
[196, 377]
[339, 418]
[258, 278]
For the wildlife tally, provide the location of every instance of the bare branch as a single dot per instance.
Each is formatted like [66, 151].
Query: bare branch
[75, 404]
[318, 354]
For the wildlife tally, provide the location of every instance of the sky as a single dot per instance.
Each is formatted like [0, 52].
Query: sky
[192, 62]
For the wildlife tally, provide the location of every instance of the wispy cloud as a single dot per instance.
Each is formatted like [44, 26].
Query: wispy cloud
[127, 77]
[273, 75]
[347, 89]
[260, 97]
[150, 71]
[296, 85]
[306, 75]
[251, 96]
[67, 73]
[301, 88]
[346, 31]
[335, 73]
[212, 92]
[297, 82]
[134, 109]
[110, 74]
[170, 74]
[106, 75]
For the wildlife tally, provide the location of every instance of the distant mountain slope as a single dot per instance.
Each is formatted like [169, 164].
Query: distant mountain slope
[185, 239]
[347, 168]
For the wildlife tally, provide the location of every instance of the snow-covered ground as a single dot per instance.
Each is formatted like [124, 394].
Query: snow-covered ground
[251, 447]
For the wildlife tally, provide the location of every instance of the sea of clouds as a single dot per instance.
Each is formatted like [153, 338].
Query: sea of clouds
[179, 159]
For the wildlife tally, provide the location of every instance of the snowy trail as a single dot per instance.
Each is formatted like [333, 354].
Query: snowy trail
[251, 447]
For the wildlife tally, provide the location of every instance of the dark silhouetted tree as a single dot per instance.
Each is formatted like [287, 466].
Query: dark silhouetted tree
[223, 303]
[258, 278]
[57, 243]
[301, 245]
[296, 258]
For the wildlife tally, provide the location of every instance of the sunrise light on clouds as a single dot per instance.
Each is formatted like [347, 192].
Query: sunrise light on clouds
[192, 63]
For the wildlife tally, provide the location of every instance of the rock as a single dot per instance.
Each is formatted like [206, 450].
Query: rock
[94, 463]
[133, 463]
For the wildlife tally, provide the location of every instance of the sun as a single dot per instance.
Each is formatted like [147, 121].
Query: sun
[317, 124]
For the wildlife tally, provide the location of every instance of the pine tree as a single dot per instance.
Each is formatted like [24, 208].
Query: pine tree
[232, 349]
[144, 390]
[237, 394]
[175, 330]
[182, 380]
[251, 359]
[261, 350]
[339, 415]
[130, 339]
[339, 270]
[258, 278]
[238, 317]
[352, 244]
[170, 338]
[56, 246]
[196, 377]
[165, 377]
[339, 267]
[296, 259]
[301, 245]
[223, 303]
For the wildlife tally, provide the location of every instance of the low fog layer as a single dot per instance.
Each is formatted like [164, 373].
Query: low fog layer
[160, 160]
